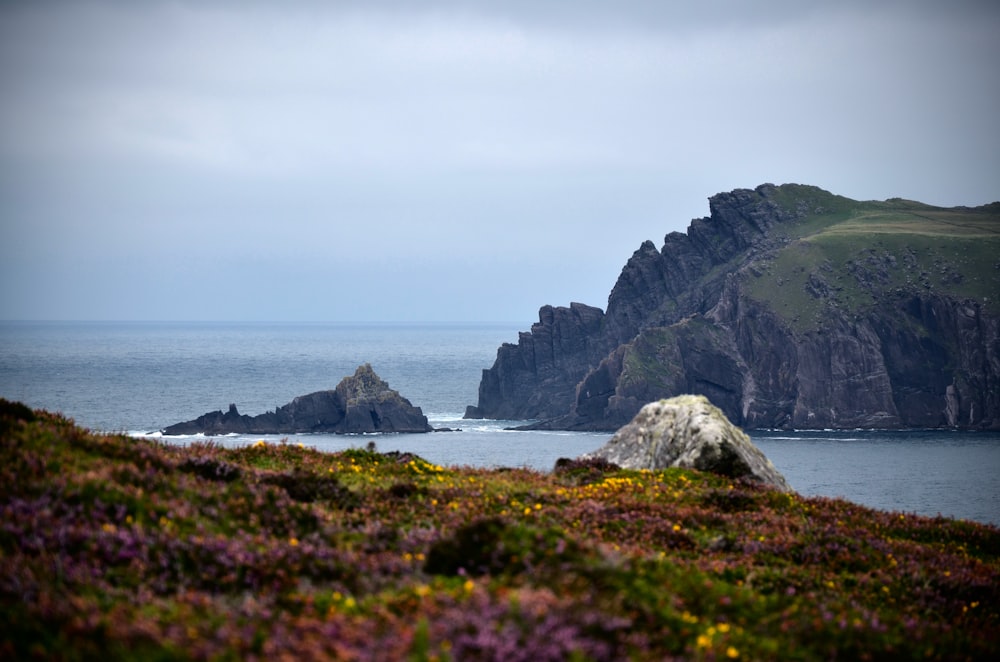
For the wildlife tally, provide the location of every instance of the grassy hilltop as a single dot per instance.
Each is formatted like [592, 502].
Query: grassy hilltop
[868, 252]
[122, 549]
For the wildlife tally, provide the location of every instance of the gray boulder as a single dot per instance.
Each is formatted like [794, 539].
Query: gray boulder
[689, 432]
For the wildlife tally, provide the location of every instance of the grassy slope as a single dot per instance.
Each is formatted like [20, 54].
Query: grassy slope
[866, 251]
[654, 361]
[116, 548]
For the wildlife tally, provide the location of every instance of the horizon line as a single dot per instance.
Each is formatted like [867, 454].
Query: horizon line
[248, 321]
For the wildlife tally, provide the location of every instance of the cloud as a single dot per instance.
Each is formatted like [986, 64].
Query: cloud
[513, 142]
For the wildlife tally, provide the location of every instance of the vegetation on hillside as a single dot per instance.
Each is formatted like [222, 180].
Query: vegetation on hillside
[853, 255]
[124, 549]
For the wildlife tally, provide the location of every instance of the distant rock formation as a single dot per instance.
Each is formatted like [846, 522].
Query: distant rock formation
[536, 377]
[788, 307]
[688, 432]
[361, 403]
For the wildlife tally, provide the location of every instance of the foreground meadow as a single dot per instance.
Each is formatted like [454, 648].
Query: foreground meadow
[123, 549]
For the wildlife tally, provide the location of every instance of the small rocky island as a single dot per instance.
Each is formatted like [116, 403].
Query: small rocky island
[360, 403]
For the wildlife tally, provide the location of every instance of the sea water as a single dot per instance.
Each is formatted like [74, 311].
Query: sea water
[138, 378]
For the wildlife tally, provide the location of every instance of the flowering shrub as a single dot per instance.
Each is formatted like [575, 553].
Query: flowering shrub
[113, 547]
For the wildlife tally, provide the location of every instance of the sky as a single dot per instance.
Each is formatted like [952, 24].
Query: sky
[448, 160]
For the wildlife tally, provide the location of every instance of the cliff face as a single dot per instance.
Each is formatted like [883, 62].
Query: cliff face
[787, 307]
[537, 377]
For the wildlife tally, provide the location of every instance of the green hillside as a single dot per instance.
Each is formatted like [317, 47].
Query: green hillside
[852, 256]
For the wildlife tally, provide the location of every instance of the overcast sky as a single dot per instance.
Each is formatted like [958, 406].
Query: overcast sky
[448, 161]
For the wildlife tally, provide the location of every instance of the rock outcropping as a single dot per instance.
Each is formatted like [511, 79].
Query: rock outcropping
[688, 432]
[361, 403]
[536, 377]
[789, 307]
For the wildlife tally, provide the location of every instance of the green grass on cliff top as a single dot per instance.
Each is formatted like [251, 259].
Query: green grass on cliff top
[853, 256]
[122, 549]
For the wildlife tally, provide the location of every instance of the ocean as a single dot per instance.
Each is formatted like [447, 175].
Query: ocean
[137, 378]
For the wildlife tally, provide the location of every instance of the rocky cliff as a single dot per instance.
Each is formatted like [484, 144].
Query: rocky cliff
[537, 377]
[360, 403]
[788, 307]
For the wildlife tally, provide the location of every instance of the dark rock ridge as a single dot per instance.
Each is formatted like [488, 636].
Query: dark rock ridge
[688, 432]
[788, 307]
[361, 403]
[536, 377]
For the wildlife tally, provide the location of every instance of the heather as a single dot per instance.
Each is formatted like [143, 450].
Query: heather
[129, 549]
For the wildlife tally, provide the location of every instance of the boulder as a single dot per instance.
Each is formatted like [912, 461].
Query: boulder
[360, 403]
[689, 432]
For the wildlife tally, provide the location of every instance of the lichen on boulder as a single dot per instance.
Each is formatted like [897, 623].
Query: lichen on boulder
[689, 432]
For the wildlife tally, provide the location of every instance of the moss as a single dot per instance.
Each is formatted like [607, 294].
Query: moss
[652, 361]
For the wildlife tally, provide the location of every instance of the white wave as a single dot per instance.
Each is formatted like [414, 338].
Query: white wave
[143, 434]
[445, 417]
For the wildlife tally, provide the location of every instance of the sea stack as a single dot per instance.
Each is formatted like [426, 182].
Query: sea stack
[360, 403]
